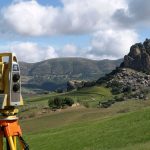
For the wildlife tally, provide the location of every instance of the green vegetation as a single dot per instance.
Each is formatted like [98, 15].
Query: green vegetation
[123, 126]
[90, 95]
[60, 102]
[91, 130]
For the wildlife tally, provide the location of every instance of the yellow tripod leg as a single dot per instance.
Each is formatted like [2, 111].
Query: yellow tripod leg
[11, 143]
[1, 142]
[15, 142]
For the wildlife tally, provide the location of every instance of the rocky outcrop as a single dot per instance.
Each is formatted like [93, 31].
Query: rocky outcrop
[75, 84]
[138, 57]
[130, 78]
[125, 80]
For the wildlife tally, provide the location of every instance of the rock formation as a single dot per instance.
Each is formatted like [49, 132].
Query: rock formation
[133, 75]
[75, 84]
[138, 57]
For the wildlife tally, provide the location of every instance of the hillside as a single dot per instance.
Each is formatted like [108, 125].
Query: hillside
[54, 73]
[108, 129]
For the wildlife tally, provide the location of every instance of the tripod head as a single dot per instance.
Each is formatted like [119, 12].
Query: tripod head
[10, 84]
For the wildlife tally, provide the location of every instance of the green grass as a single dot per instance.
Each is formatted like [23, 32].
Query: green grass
[87, 96]
[96, 91]
[91, 95]
[123, 126]
[90, 132]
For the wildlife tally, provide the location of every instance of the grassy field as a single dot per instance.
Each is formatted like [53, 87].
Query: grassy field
[124, 126]
[91, 95]
[88, 97]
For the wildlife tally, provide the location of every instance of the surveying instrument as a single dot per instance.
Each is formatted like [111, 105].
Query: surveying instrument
[10, 98]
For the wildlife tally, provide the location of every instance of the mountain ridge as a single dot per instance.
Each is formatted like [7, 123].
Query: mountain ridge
[54, 73]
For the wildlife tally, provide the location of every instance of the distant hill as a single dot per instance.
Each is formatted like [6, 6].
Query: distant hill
[54, 73]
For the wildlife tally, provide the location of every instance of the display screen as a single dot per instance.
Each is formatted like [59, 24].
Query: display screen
[15, 67]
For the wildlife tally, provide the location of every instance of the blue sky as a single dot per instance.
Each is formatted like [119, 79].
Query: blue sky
[48, 29]
[54, 3]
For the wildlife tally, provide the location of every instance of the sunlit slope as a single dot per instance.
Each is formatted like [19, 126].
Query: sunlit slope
[85, 94]
[113, 132]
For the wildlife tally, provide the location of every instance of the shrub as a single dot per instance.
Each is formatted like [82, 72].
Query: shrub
[55, 103]
[60, 102]
[116, 90]
[68, 101]
[119, 99]
[117, 87]
[127, 89]
[51, 103]
[105, 104]
[116, 84]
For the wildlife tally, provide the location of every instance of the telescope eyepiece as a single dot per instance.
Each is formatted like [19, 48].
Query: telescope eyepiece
[16, 77]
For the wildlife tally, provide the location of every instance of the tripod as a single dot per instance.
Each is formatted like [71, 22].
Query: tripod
[10, 129]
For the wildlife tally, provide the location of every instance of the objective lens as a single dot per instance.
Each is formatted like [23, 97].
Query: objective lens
[16, 77]
[16, 87]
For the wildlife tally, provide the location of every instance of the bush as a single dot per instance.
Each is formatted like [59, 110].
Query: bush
[51, 103]
[117, 87]
[116, 84]
[116, 90]
[118, 99]
[127, 89]
[60, 102]
[105, 104]
[68, 101]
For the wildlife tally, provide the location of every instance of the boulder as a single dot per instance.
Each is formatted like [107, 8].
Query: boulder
[75, 84]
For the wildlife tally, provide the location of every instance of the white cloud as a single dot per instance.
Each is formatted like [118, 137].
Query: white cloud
[69, 50]
[76, 17]
[112, 44]
[30, 18]
[136, 14]
[32, 52]
[102, 19]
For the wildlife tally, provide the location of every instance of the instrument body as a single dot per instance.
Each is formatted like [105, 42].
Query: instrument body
[10, 81]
